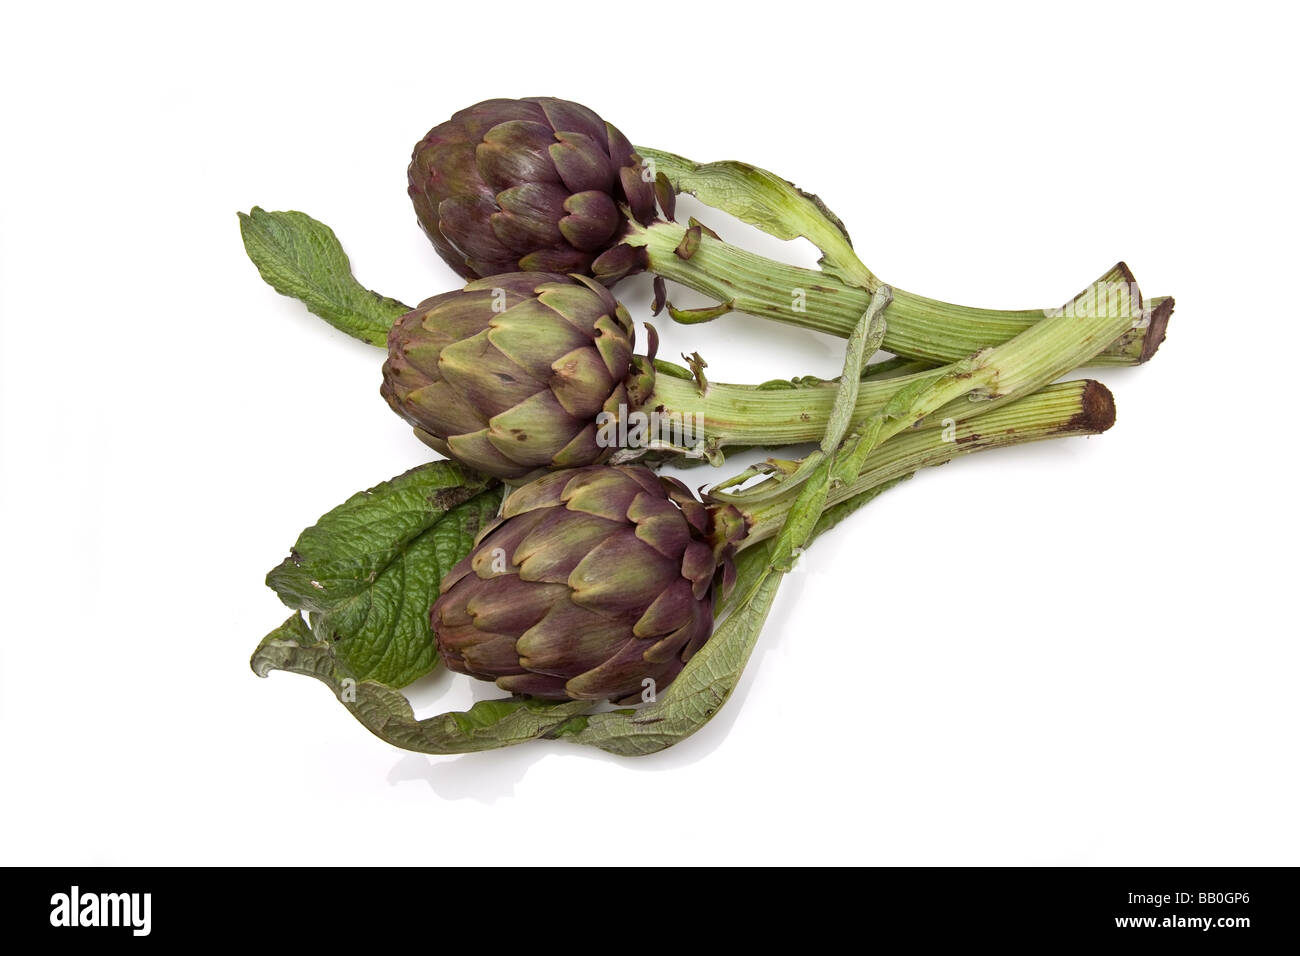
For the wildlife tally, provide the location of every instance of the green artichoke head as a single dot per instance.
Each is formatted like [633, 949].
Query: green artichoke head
[595, 583]
[517, 373]
[536, 184]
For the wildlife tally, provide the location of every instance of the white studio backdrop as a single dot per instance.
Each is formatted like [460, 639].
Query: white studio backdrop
[1080, 652]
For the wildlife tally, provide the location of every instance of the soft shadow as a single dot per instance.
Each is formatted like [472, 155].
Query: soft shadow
[489, 776]
[482, 777]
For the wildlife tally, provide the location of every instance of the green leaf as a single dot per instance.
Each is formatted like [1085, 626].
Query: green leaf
[368, 571]
[689, 703]
[863, 343]
[278, 648]
[302, 258]
[765, 200]
[383, 710]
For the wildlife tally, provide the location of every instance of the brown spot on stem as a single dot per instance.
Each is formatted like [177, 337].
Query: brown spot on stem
[1156, 329]
[1098, 412]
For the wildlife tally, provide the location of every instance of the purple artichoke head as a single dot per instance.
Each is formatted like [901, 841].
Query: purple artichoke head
[595, 583]
[527, 185]
[517, 373]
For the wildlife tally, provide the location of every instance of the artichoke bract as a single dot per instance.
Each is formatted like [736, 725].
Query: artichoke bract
[595, 583]
[512, 373]
[532, 184]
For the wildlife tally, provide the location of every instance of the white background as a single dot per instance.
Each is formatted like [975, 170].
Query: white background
[1078, 653]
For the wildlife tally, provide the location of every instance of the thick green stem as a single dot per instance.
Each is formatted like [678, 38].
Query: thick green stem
[919, 327]
[1031, 360]
[730, 415]
[1070, 408]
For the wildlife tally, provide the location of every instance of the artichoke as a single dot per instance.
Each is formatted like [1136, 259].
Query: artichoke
[511, 374]
[595, 583]
[527, 185]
